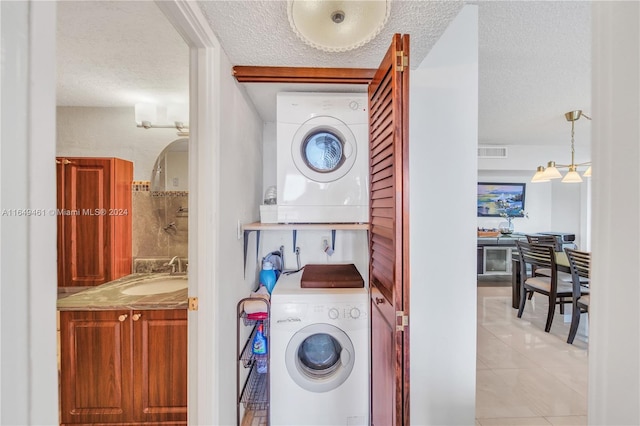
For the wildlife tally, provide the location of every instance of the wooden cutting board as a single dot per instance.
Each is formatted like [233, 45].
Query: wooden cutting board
[331, 276]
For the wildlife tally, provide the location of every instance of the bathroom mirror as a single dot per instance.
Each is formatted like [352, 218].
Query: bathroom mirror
[163, 223]
[171, 169]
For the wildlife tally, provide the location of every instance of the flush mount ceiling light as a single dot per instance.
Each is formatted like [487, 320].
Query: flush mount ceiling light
[338, 26]
[572, 176]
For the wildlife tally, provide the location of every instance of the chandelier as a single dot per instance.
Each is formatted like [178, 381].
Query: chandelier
[551, 171]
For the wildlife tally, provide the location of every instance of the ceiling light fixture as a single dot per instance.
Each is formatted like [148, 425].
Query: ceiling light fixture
[551, 171]
[171, 116]
[338, 26]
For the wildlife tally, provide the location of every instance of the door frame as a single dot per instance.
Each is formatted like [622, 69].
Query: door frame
[204, 183]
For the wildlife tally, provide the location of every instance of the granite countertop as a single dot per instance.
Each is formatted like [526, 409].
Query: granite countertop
[110, 296]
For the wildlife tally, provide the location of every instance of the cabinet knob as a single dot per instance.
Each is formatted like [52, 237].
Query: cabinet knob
[122, 317]
[136, 317]
[379, 300]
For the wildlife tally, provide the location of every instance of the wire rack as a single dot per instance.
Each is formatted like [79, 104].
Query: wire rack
[255, 395]
[253, 392]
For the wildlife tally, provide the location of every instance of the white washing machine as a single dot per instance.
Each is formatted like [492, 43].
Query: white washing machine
[319, 355]
[322, 157]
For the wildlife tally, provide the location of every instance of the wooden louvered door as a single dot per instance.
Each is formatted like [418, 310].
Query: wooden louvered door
[389, 236]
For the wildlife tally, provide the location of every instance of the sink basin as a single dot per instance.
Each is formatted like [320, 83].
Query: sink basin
[156, 286]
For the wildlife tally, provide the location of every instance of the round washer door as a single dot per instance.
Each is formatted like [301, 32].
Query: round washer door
[324, 149]
[319, 357]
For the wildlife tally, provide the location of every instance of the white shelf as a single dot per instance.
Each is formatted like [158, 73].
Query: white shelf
[259, 226]
[295, 227]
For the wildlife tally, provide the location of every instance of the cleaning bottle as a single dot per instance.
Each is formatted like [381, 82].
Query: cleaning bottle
[259, 349]
[267, 276]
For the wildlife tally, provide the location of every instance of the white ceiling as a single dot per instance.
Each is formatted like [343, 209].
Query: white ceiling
[117, 53]
[534, 57]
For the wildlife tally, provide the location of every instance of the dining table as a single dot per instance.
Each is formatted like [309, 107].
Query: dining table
[562, 265]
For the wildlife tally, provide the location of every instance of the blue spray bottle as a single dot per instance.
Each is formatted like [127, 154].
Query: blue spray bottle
[259, 349]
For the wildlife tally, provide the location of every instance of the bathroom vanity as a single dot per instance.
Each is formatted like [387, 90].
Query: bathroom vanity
[123, 349]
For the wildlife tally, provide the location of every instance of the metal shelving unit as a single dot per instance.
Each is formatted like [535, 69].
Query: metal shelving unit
[252, 392]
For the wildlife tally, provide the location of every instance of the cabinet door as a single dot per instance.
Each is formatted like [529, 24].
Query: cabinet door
[95, 382]
[160, 370]
[497, 261]
[94, 220]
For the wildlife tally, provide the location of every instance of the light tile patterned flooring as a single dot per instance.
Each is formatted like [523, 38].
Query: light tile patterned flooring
[524, 375]
[255, 418]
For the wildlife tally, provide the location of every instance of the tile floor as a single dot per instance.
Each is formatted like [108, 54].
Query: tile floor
[255, 418]
[524, 375]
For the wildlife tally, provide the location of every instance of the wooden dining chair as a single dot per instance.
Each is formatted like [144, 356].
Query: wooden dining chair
[543, 240]
[551, 241]
[580, 265]
[558, 292]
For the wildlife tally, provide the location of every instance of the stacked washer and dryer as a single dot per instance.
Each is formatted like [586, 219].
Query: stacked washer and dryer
[319, 339]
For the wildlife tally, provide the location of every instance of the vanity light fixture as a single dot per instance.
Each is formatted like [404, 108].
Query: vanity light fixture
[551, 171]
[155, 116]
[337, 26]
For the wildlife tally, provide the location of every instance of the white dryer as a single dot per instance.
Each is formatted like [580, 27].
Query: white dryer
[319, 355]
[322, 157]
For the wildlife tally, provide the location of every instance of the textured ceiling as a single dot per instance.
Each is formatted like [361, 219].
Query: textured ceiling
[258, 33]
[117, 53]
[534, 65]
[534, 57]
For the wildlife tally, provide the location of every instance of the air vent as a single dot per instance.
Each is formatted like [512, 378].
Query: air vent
[492, 152]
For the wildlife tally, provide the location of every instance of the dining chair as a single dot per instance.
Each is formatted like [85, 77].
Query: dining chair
[537, 256]
[543, 240]
[580, 265]
[551, 241]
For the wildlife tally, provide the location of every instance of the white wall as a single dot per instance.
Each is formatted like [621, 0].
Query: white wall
[110, 132]
[176, 166]
[529, 157]
[444, 94]
[614, 340]
[241, 194]
[537, 200]
[269, 174]
[28, 367]
[567, 206]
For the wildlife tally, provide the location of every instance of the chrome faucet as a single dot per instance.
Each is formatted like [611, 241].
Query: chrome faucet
[175, 260]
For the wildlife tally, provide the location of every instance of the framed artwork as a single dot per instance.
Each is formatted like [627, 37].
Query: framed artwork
[496, 199]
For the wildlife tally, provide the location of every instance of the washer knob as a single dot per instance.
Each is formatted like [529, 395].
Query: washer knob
[355, 313]
[334, 313]
[354, 105]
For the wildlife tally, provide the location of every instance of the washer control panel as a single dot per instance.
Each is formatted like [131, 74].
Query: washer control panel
[340, 311]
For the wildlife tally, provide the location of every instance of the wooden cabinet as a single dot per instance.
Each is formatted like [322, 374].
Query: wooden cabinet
[94, 220]
[125, 366]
